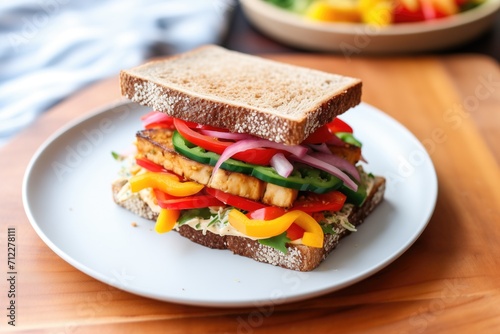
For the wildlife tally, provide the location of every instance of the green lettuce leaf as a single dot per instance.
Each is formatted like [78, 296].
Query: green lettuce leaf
[278, 242]
[194, 213]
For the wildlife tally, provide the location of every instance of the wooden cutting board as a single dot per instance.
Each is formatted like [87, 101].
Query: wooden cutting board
[447, 281]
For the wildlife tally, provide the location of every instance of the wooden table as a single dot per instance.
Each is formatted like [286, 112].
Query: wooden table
[448, 280]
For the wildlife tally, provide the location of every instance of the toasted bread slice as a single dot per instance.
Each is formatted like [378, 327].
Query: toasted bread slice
[201, 86]
[298, 257]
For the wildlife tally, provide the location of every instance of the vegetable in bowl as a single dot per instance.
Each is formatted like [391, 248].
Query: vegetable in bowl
[380, 12]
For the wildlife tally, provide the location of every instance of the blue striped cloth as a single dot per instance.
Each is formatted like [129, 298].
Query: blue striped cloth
[51, 48]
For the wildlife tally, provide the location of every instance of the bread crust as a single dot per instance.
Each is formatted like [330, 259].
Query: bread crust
[298, 257]
[147, 85]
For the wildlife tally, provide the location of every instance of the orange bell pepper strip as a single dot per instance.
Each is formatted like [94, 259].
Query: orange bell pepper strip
[168, 183]
[258, 228]
[166, 220]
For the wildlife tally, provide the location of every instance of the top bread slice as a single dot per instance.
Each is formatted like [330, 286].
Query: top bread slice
[242, 93]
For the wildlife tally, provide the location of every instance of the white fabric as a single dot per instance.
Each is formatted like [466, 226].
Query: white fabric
[51, 48]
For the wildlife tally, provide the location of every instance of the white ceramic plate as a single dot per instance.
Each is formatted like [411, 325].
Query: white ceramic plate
[353, 39]
[67, 197]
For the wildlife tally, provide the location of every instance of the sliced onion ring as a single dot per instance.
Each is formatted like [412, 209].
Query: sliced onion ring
[226, 135]
[317, 163]
[338, 162]
[320, 148]
[281, 164]
[247, 144]
[155, 117]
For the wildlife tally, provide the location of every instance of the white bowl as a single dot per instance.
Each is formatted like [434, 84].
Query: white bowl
[354, 38]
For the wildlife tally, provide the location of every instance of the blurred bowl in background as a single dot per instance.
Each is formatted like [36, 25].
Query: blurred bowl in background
[357, 38]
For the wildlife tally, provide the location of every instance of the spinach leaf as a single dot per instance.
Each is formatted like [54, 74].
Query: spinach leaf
[194, 213]
[278, 242]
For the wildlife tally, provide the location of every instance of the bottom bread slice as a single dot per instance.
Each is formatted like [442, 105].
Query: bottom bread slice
[298, 257]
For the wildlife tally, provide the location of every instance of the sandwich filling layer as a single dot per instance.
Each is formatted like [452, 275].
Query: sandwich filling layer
[215, 219]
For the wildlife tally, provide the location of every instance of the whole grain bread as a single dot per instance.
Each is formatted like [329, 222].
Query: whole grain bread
[214, 86]
[298, 257]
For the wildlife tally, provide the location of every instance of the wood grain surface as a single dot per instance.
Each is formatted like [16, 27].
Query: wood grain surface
[448, 281]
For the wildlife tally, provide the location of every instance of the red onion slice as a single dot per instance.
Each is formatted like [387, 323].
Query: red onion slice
[338, 162]
[324, 153]
[320, 148]
[247, 144]
[155, 117]
[226, 135]
[317, 163]
[281, 164]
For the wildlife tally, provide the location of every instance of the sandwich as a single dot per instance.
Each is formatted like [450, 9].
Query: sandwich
[247, 154]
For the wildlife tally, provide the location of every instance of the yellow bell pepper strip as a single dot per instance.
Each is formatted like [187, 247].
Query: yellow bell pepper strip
[258, 228]
[166, 220]
[168, 183]
[334, 11]
[376, 12]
